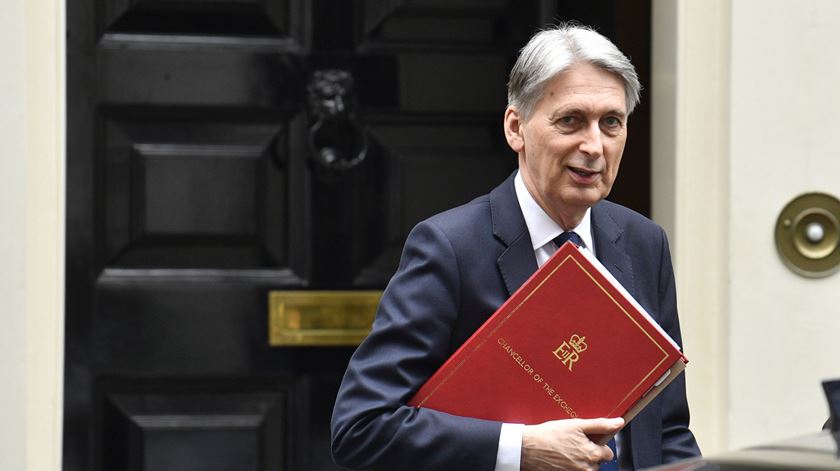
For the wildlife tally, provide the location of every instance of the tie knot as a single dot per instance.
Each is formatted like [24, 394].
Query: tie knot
[568, 235]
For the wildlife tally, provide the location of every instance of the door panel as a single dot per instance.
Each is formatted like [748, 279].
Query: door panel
[222, 149]
[200, 426]
[195, 189]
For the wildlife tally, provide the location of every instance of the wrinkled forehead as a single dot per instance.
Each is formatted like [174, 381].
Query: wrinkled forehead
[587, 85]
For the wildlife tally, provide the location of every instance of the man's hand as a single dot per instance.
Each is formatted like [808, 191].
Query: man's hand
[565, 444]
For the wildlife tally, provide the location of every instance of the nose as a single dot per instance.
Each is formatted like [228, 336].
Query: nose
[591, 143]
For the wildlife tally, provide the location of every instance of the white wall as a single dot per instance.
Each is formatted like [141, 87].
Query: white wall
[12, 239]
[785, 122]
[31, 238]
[744, 120]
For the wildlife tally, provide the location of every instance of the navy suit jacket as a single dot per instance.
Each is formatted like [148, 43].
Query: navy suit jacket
[456, 269]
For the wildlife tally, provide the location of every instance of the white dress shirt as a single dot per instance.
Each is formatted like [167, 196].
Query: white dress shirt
[543, 230]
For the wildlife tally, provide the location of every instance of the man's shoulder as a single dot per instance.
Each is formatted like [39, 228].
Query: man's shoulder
[624, 216]
[637, 229]
[464, 217]
[495, 210]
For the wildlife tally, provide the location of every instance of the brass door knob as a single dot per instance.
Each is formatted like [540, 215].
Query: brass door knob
[808, 235]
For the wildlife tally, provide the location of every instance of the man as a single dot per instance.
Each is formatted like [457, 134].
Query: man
[570, 94]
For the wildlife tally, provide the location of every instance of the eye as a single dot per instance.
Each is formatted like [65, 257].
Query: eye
[567, 121]
[612, 125]
[612, 122]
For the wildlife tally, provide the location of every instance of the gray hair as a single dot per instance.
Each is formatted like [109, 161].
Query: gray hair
[552, 51]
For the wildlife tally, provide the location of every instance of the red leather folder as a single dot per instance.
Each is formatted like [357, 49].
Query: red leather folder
[571, 342]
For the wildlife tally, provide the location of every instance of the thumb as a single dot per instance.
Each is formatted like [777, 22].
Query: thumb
[602, 426]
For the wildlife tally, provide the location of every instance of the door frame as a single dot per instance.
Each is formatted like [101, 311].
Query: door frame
[35, 135]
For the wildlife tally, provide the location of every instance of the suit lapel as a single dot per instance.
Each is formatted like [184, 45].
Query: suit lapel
[607, 234]
[517, 262]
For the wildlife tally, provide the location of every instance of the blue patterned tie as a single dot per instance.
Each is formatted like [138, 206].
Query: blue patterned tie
[568, 235]
[611, 465]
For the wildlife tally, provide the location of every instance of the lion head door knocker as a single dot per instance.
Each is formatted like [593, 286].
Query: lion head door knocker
[337, 141]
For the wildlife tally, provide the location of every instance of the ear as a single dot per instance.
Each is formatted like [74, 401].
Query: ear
[514, 129]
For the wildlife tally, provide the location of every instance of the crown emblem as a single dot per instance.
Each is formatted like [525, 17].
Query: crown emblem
[578, 343]
[569, 351]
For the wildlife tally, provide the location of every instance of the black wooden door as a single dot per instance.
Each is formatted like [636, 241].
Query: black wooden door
[219, 150]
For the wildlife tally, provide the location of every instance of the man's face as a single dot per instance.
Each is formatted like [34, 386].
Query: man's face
[571, 145]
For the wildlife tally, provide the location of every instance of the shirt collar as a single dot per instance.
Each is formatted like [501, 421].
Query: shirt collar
[542, 228]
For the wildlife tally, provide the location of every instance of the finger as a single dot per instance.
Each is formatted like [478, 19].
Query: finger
[608, 453]
[598, 454]
[602, 426]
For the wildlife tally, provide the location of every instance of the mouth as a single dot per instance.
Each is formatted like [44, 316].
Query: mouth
[583, 174]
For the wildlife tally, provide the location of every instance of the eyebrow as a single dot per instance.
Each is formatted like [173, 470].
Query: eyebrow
[560, 112]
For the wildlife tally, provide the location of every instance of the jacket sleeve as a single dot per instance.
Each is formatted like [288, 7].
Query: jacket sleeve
[372, 427]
